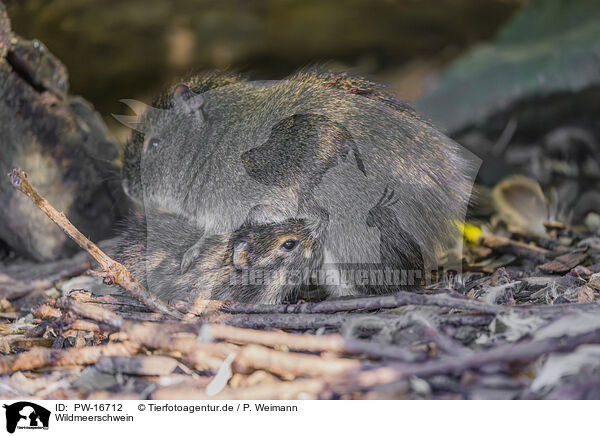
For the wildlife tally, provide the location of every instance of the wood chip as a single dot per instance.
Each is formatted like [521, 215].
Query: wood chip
[564, 263]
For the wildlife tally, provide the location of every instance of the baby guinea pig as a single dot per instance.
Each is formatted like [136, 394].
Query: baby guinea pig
[257, 263]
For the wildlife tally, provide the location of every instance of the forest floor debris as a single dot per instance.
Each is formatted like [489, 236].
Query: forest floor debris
[511, 329]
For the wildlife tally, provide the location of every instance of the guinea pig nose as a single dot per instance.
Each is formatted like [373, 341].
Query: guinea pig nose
[240, 255]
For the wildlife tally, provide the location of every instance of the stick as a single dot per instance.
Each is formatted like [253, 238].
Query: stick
[158, 335]
[401, 298]
[501, 244]
[289, 321]
[330, 343]
[311, 388]
[41, 357]
[308, 321]
[519, 352]
[137, 365]
[114, 271]
[96, 313]
[287, 365]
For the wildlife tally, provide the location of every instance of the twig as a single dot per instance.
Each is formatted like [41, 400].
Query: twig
[445, 343]
[329, 343]
[501, 244]
[96, 313]
[137, 365]
[300, 321]
[251, 357]
[114, 271]
[308, 321]
[520, 352]
[465, 320]
[41, 357]
[505, 137]
[366, 303]
[158, 335]
[312, 388]
[108, 300]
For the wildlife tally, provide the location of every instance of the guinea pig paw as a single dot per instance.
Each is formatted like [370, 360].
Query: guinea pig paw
[190, 256]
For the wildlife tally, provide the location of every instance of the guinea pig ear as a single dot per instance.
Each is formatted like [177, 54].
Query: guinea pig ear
[184, 97]
[240, 255]
[134, 121]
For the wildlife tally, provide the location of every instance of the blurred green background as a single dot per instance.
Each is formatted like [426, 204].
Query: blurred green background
[116, 49]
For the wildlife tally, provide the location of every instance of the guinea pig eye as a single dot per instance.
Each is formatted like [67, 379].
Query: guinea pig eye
[289, 245]
[153, 142]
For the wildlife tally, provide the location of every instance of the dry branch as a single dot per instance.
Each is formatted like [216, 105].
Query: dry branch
[114, 271]
[306, 321]
[90, 311]
[138, 365]
[329, 343]
[159, 335]
[520, 352]
[366, 303]
[501, 244]
[311, 388]
[41, 357]
[291, 364]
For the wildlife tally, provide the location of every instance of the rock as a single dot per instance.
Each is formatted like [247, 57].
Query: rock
[61, 142]
[42, 70]
[541, 69]
[528, 102]
[5, 32]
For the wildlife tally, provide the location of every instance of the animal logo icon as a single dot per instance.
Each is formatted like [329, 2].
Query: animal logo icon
[26, 415]
[298, 153]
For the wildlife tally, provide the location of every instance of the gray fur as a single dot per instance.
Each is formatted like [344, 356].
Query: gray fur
[374, 185]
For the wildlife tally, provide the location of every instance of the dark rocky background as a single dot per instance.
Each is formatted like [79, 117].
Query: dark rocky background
[114, 49]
